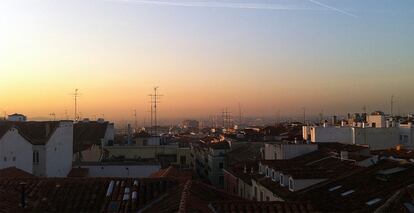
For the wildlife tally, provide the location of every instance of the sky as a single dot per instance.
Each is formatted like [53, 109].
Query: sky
[334, 56]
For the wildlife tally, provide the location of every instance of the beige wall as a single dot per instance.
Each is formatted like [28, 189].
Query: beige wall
[148, 152]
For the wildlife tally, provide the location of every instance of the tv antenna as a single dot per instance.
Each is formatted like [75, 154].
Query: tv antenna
[154, 104]
[53, 115]
[136, 121]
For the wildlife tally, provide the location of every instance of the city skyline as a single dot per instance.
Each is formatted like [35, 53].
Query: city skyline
[330, 56]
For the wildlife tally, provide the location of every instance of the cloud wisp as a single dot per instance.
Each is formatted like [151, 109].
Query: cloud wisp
[241, 5]
[219, 4]
[333, 8]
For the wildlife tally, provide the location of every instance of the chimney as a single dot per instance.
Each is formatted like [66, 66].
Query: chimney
[344, 155]
[47, 129]
[23, 195]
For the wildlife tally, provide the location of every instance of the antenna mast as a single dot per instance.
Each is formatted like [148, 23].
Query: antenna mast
[75, 96]
[136, 121]
[304, 115]
[154, 102]
[240, 115]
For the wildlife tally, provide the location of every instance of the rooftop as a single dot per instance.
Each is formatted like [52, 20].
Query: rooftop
[361, 190]
[82, 194]
[36, 132]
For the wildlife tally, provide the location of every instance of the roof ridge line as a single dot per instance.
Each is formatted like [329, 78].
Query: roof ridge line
[184, 196]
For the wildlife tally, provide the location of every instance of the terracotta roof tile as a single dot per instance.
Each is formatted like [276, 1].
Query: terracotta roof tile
[36, 132]
[84, 194]
[13, 172]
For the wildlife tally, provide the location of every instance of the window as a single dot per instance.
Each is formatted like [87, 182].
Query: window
[221, 165]
[5, 159]
[373, 201]
[267, 198]
[347, 193]
[14, 158]
[35, 157]
[273, 175]
[267, 172]
[261, 196]
[334, 188]
[221, 179]
[281, 180]
[291, 185]
[255, 192]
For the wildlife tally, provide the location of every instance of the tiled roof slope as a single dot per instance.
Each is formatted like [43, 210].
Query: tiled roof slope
[364, 190]
[85, 134]
[83, 194]
[192, 196]
[13, 172]
[37, 133]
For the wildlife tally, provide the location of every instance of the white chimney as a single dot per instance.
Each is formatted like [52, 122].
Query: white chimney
[344, 155]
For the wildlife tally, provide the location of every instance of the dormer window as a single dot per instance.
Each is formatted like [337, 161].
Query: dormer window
[281, 180]
[291, 184]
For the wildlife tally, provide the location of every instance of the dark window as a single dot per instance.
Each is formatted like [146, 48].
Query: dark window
[267, 198]
[221, 165]
[35, 157]
[183, 160]
[221, 180]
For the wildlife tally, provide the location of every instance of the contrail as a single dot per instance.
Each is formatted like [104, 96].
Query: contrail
[333, 8]
[211, 4]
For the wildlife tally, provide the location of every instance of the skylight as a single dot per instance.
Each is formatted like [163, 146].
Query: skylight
[373, 201]
[334, 188]
[347, 193]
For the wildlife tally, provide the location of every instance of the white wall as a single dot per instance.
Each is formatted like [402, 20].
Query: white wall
[379, 121]
[407, 135]
[17, 151]
[59, 151]
[39, 169]
[377, 138]
[331, 134]
[289, 151]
